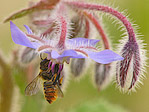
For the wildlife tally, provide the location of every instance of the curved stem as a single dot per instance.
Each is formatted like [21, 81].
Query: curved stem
[87, 29]
[99, 28]
[107, 9]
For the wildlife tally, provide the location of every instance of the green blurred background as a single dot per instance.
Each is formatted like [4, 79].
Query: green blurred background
[78, 93]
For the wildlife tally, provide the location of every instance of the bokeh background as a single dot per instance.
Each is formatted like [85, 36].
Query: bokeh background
[80, 96]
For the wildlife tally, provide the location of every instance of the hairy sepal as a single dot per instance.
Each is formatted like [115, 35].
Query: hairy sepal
[129, 72]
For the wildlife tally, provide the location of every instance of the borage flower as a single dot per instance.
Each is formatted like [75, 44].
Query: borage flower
[62, 49]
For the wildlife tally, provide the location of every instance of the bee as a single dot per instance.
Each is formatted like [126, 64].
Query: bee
[52, 81]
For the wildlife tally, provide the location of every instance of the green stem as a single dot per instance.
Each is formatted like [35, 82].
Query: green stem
[7, 86]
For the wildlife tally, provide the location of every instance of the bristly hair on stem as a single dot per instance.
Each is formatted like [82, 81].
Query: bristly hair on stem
[128, 71]
[131, 51]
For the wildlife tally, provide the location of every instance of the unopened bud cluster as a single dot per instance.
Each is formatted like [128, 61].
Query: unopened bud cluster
[56, 27]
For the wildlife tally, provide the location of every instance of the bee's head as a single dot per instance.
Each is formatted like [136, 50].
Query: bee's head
[44, 64]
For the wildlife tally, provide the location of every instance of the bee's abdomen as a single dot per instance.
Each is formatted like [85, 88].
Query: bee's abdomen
[50, 92]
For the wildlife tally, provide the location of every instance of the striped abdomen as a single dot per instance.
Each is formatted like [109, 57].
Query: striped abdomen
[50, 91]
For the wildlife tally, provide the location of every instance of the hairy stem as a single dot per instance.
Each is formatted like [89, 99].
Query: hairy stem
[87, 29]
[63, 29]
[110, 10]
[99, 28]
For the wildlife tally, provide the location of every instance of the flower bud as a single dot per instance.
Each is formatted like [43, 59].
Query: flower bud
[77, 66]
[102, 75]
[78, 26]
[27, 55]
[129, 70]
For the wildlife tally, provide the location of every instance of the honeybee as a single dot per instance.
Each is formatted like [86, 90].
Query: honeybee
[52, 82]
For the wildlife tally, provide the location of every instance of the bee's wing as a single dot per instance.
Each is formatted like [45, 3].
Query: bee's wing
[60, 93]
[33, 87]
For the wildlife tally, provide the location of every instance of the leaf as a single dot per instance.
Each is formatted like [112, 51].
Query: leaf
[19, 14]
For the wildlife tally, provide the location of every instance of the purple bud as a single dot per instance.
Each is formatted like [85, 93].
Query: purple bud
[27, 55]
[128, 70]
[102, 75]
[77, 66]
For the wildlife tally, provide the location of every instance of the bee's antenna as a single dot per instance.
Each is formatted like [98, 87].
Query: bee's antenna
[41, 56]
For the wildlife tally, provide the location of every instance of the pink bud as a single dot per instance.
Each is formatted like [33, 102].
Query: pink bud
[129, 70]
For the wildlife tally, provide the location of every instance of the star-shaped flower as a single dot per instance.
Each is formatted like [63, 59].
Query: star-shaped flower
[63, 49]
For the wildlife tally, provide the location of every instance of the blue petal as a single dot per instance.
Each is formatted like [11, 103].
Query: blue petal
[19, 37]
[28, 29]
[54, 54]
[71, 54]
[66, 53]
[82, 41]
[105, 56]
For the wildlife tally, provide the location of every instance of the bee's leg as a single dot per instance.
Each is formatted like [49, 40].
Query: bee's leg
[42, 73]
[55, 79]
[61, 80]
[45, 75]
[48, 70]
